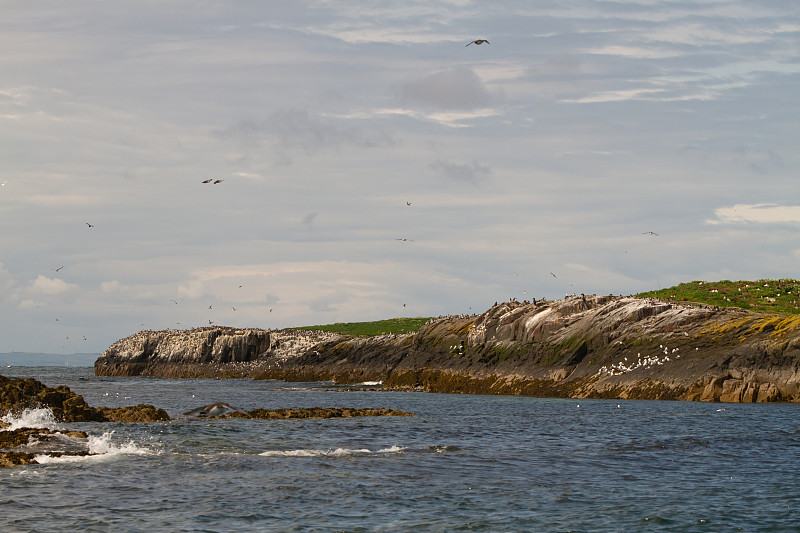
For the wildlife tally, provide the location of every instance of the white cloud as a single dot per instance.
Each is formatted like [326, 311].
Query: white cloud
[458, 88]
[51, 286]
[756, 213]
[112, 286]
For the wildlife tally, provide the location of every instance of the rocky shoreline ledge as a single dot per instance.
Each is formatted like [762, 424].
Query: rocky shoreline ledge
[580, 347]
[22, 445]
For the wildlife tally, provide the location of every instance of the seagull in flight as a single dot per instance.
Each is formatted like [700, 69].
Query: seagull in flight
[650, 233]
[405, 240]
[218, 181]
[478, 42]
[90, 225]
[214, 409]
[553, 275]
[408, 203]
[206, 181]
[59, 268]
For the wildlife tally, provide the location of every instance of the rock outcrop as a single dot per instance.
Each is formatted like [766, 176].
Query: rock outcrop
[16, 395]
[313, 412]
[203, 352]
[21, 445]
[581, 347]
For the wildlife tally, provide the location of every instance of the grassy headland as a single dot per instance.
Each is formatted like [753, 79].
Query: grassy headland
[380, 327]
[764, 295]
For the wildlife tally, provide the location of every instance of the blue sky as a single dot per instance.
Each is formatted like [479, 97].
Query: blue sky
[534, 165]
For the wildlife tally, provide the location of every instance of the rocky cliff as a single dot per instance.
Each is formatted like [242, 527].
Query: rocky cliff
[582, 346]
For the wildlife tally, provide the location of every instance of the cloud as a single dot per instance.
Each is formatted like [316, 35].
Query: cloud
[756, 213]
[51, 287]
[458, 88]
[472, 172]
[112, 286]
[298, 129]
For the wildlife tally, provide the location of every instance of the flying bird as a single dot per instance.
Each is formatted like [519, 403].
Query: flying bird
[218, 181]
[214, 409]
[553, 275]
[90, 225]
[59, 268]
[206, 181]
[408, 203]
[478, 42]
[405, 240]
[650, 233]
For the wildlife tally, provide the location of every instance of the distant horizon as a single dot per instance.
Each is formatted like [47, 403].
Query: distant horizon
[19, 359]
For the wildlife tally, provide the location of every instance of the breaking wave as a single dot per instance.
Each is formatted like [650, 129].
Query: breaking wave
[338, 452]
[42, 418]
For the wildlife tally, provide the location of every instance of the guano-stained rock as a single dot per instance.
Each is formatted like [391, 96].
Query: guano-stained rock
[583, 346]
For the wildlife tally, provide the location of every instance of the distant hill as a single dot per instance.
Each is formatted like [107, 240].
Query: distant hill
[47, 359]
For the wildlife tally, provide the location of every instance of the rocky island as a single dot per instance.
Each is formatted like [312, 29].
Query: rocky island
[583, 346]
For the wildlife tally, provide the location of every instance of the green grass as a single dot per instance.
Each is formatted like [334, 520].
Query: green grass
[379, 327]
[764, 295]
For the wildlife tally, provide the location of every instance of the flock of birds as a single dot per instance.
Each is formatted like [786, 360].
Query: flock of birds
[216, 181]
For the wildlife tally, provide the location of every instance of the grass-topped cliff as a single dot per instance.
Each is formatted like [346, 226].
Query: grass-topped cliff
[711, 341]
[379, 327]
[762, 296]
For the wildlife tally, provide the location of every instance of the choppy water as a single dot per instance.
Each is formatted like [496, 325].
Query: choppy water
[464, 463]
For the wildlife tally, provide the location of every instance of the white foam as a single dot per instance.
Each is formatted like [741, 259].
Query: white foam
[32, 418]
[338, 452]
[371, 383]
[99, 448]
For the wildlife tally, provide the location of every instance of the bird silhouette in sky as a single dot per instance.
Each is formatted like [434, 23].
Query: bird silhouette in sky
[218, 181]
[206, 181]
[478, 42]
[90, 225]
[404, 240]
[650, 233]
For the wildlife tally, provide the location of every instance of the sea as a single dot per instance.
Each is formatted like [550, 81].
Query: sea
[462, 463]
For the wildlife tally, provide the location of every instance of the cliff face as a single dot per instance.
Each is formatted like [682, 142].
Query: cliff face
[203, 352]
[593, 346]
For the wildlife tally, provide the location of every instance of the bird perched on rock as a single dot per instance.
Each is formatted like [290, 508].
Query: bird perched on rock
[214, 409]
[478, 42]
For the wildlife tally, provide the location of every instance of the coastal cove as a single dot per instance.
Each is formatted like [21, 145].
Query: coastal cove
[584, 346]
[463, 462]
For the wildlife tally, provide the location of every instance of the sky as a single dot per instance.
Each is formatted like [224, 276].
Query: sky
[374, 165]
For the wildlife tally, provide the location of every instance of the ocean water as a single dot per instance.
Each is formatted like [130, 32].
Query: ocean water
[463, 463]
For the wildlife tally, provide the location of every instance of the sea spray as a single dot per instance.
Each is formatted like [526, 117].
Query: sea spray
[41, 418]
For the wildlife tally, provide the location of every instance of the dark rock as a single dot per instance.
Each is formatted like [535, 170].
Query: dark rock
[136, 413]
[313, 412]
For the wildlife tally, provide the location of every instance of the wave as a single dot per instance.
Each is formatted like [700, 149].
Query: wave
[338, 452]
[98, 448]
[40, 418]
